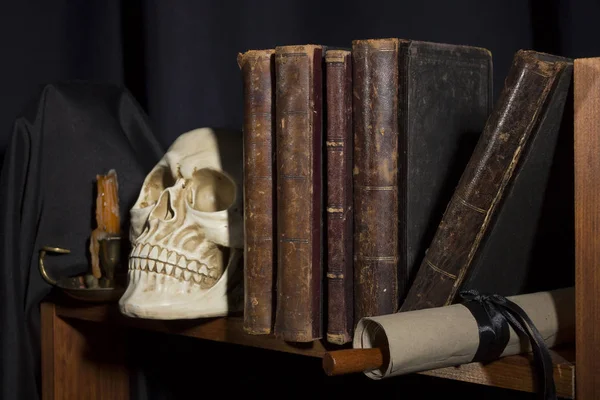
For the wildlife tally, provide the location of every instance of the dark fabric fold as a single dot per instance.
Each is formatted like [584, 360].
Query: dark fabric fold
[75, 131]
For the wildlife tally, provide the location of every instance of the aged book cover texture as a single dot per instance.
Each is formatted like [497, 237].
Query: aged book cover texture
[258, 77]
[486, 236]
[419, 108]
[339, 207]
[299, 141]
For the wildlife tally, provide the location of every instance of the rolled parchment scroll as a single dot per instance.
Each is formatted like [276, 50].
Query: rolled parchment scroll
[421, 340]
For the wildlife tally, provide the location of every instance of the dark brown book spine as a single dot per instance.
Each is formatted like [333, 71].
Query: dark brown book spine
[375, 103]
[299, 192]
[480, 191]
[339, 208]
[258, 76]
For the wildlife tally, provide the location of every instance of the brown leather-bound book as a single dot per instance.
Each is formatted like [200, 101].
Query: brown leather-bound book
[418, 110]
[500, 192]
[258, 76]
[339, 209]
[299, 144]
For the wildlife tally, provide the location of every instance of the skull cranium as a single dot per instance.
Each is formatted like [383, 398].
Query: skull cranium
[187, 231]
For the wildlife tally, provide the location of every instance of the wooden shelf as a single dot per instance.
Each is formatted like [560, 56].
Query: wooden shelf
[515, 372]
[510, 372]
[228, 330]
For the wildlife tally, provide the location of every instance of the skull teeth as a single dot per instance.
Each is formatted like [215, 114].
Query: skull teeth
[145, 251]
[136, 251]
[187, 275]
[163, 255]
[153, 253]
[145, 257]
[160, 266]
[172, 259]
[176, 272]
[203, 270]
[193, 266]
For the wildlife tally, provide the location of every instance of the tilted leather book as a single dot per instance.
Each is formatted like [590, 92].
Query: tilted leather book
[299, 143]
[258, 77]
[486, 237]
[419, 108]
[339, 208]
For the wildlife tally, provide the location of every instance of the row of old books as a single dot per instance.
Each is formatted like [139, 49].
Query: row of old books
[382, 178]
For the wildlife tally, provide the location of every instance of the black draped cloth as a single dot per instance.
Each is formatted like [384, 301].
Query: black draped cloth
[72, 133]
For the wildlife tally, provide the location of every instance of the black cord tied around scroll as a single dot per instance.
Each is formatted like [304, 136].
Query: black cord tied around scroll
[493, 314]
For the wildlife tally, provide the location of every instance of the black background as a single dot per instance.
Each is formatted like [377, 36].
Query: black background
[178, 58]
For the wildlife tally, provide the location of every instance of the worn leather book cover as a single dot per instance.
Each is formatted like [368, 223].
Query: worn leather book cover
[258, 78]
[299, 144]
[487, 237]
[339, 209]
[419, 108]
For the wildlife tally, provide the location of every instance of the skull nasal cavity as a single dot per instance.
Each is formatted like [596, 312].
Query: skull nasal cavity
[164, 209]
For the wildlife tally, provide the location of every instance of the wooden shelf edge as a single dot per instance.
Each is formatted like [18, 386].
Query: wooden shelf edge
[226, 330]
[514, 372]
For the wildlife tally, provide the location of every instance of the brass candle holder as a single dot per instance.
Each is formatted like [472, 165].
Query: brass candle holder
[108, 288]
[110, 260]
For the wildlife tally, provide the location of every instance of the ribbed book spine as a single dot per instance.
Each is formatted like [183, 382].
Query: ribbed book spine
[339, 207]
[299, 145]
[375, 81]
[258, 76]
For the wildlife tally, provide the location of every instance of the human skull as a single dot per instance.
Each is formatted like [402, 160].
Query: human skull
[187, 231]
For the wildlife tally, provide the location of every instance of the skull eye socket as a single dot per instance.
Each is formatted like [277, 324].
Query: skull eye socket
[212, 191]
